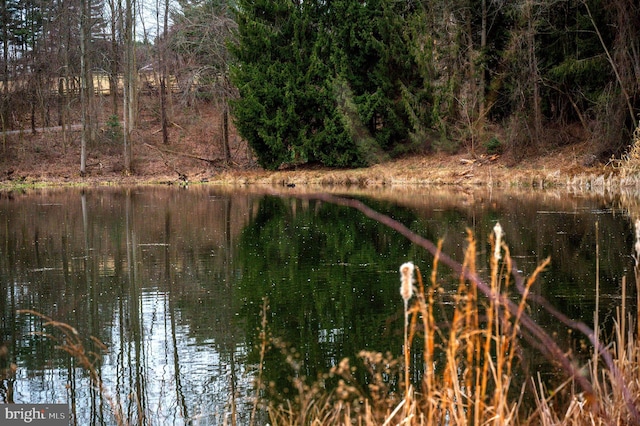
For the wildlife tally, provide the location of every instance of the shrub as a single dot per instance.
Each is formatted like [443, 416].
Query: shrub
[113, 129]
[493, 146]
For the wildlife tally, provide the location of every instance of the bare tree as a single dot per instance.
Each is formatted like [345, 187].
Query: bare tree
[114, 69]
[200, 35]
[4, 17]
[164, 74]
[130, 82]
[85, 76]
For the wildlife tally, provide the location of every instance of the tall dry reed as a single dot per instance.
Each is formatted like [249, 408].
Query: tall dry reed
[406, 292]
[612, 388]
[629, 163]
[68, 340]
[472, 383]
[467, 358]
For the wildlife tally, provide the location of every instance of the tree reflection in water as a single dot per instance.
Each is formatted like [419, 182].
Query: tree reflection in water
[173, 280]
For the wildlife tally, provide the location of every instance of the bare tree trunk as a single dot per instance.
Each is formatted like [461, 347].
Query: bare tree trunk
[225, 130]
[163, 108]
[115, 56]
[5, 68]
[4, 134]
[534, 72]
[471, 104]
[5, 47]
[130, 83]
[163, 76]
[483, 48]
[83, 88]
[62, 119]
[471, 58]
[33, 110]
[67, 94]
[92, 113]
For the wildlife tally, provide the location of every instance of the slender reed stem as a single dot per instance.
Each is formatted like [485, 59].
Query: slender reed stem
[406, 292]
[263, 349]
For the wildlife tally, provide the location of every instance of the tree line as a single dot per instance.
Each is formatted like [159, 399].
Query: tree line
[339, 82]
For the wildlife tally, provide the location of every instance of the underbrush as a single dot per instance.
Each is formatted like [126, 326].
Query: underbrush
[629, 163]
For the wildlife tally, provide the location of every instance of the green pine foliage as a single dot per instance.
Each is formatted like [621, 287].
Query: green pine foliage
[283, 95]
[375, 57]
[322, 82]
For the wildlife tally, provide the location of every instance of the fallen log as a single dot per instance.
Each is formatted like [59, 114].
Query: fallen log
[212, 161]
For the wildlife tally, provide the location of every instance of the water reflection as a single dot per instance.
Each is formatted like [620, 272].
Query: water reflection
[145, 271]
[173, 281]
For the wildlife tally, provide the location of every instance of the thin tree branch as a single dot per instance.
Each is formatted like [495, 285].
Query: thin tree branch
[613, 65]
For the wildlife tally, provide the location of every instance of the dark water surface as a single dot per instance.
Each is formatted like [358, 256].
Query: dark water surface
[173, 280]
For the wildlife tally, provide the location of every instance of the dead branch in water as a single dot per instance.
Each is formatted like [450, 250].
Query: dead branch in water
[534, 333]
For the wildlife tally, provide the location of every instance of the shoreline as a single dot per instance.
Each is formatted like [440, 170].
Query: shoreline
[562, 168]
[381, 175]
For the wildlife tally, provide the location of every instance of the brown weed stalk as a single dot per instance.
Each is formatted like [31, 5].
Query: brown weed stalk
[617, 391]
[72, 343]
[264, 343]
[468, 363]
[406, 292]
[310, 404]
[474, 384]
[610, 390]
[531, 331]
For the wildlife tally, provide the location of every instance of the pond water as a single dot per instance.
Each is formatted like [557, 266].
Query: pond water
[172, 281]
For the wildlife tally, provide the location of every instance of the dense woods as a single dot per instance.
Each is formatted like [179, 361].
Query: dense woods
[341, 83]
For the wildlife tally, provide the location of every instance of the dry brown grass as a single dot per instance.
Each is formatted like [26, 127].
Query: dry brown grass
[630, 162]
[609, 388]
[468, 376]
[472, 385]
[626, 169]
[612, 389]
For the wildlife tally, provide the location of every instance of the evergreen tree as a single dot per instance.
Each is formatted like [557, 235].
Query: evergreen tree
[374, 57]
[322, 81]
[576, 71]
[283, 86]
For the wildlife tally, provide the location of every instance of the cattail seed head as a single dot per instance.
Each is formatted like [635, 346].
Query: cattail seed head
[406, 280]
[497, 230]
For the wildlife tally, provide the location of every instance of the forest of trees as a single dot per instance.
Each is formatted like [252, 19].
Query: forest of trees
[336, 82]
